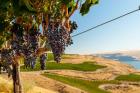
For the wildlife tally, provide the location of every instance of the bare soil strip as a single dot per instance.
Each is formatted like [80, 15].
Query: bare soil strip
[48, 83]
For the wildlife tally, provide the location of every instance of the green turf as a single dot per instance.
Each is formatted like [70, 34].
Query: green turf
[69, 56]
[130, 77]
[64, 56]
[51, 65]
[50, 57]
[86, 66]
[89, 86]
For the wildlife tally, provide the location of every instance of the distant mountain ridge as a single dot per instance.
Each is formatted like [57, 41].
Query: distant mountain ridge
[122, 56]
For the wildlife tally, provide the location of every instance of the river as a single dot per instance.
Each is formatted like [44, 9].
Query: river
[135, 64]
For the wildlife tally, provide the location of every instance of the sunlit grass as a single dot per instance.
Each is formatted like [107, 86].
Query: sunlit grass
[69, 56]
[50, 57]
[7, 86]
[130, 77]
[86, 85]
[86, 66]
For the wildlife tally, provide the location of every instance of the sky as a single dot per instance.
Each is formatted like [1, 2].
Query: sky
[120, 35]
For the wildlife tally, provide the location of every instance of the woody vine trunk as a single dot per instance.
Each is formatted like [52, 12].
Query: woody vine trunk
[17, 86]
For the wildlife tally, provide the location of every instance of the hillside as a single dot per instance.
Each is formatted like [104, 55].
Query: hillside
[122, 55]
[72, 66]
[135, 54]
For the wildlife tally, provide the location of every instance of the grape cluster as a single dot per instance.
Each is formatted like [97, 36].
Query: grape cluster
[43, 58]
[27, 53]
[17, 42]
[6, 60]
[33, 38]
[30, 61]
[74, 26]
[33, 61]
[31, 47]
[25, 43]
[59, 38]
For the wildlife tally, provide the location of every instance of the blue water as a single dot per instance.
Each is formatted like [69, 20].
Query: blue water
[135, 64]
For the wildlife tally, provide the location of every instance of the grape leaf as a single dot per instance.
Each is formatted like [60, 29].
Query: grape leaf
[66, 2]
[28, 5]
[22, 6]
[87, 5]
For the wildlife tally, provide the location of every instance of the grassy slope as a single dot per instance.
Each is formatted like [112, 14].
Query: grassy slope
[92, 86]
[130, 77]
[69, 56]
[50, 57]
[51, 65]
[86, 66]
[89, 86]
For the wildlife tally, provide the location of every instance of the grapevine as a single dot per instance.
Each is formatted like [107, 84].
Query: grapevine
[24, 22]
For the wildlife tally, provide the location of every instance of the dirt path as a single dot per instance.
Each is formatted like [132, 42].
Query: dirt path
[40, 90]
[48, 83]
[6, 85]
[90, 75]
[42, 84]
[125, 87]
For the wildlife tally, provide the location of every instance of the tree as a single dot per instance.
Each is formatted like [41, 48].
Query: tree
[19, 29]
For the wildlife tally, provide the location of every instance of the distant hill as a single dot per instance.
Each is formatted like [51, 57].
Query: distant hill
[122, 56]
[135, 54]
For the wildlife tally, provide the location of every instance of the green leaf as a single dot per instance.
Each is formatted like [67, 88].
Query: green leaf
[66, 2]
[28, 5]
[1, 42]
[3, 24]
[87, 5]
[22, 6]
[4, 6]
